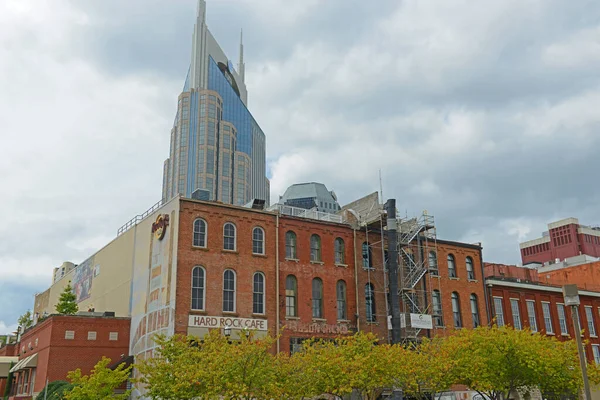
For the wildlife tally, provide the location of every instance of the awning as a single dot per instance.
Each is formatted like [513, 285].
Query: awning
[5, 363]
[29, 362]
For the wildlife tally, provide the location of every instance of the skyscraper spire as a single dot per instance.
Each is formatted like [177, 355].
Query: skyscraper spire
[241, 66]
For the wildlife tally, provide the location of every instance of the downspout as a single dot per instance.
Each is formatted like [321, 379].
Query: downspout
[277, 280]
[485, 289]
[356, 282]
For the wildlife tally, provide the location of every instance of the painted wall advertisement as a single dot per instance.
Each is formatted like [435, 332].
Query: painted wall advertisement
[153, 286]
[82, 280]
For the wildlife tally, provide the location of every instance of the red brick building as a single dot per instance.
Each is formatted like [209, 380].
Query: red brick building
[63, 343]
[307, 277]
[565, 238]
[518, 299]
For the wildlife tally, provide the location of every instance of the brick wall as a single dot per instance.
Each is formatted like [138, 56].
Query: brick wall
[215, 261]
[57, 355]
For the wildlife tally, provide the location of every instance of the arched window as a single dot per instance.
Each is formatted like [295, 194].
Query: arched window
[290, 245]
[367, 256]
[198, 285]
[229, 291]
[340, 251]
[451, 266]
[475, 310]
[291, 296]
[258, 241]
[258, 293]
[199, 233]
[456, 311]
[370, 302]
[317, 298]
[433, 265]
[315, 248]
[341, 300]
[229, 236]
[470, 269]
[436, 300]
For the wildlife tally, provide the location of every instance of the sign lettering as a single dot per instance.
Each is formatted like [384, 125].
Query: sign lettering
[202, 321]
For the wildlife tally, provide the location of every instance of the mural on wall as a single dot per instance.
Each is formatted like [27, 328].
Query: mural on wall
[153, 288]
[82, 280]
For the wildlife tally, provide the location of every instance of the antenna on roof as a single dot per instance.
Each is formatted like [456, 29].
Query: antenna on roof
[380, 186]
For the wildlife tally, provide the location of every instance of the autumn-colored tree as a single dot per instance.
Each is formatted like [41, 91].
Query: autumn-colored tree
[344, 365]
[184, 368]
[500, 361]
[67, 303]
[425, 368]
[100, 384]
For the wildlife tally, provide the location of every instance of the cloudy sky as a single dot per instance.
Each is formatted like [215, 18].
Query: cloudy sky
[485, 113]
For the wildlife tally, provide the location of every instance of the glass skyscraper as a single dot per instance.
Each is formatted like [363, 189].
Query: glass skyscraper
[216, 145]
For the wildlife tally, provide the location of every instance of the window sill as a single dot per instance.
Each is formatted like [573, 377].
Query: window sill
[550, 334]
[372, 323]
[341, 265]
[565, 335]
[197, 312]
[292, 259]
[259, 255]
[473, 280]
[292, 318]
[319, 320]
[200, 248]
[343, 321]
[317, 262]
[260, 316]
[434, 275]
[594, 336]
[231, 313]
[368, 269]
[230, 251]
[453, 278]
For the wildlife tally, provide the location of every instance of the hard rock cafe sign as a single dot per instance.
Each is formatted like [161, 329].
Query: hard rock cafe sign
[159, 227]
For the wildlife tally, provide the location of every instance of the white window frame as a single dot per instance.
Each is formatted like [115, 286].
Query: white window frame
[339, 250]
[589, 316]
[471, 272]
[234, 292]
[202, 245]
[562, 322]
[92, 335]
[516, 313]
[531, 315]
[113, 336]
[262, 241]
[547, 318]
[69, 335]
[203, 287]
[234, 236]
[596, 353]
[264, 299]
[499, 311]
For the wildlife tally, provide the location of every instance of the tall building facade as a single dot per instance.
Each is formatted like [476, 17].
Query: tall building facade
[311, 195]
[216, 145]
[563, 239]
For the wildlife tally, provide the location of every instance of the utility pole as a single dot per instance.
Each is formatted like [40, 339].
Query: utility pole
[571, 296]
[392, 234]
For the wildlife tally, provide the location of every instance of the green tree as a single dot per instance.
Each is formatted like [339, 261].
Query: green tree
[25, 321]
[100, 384]
[55, 391]
[67, 303]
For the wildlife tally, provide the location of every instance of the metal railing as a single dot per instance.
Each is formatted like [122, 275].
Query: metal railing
[138, 218]
[304, 213]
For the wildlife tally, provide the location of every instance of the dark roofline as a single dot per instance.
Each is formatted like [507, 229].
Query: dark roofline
[460, 244]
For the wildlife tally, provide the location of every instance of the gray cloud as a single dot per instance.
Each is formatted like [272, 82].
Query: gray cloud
[483, 113]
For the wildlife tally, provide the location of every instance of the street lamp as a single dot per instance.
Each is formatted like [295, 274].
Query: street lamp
[246, 332]
[227, 331]
[571, 296]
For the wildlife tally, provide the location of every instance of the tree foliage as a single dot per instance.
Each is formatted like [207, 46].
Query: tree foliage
[55, 390]
[100, 384]
[496, 362]
[25, 320]
[67, 303]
